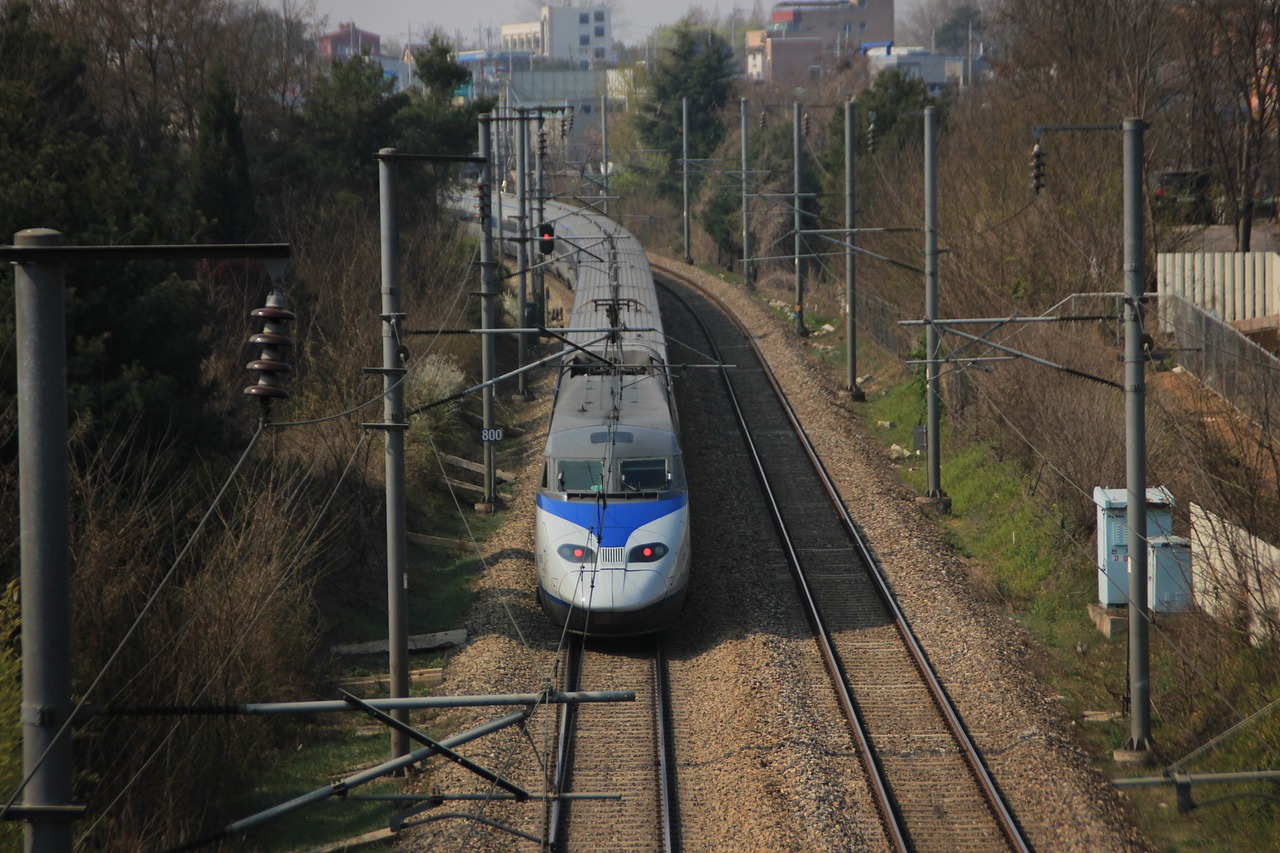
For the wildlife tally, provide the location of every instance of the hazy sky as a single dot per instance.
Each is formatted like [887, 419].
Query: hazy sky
[633, 19]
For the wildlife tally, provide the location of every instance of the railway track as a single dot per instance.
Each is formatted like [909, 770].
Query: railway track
[932, 789]
[622, 748]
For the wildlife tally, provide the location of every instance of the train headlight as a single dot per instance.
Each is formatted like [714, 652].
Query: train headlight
[647, 553]
[576, 553]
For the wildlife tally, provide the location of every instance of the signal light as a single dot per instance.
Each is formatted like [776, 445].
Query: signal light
[1037, 169]
[546, 238]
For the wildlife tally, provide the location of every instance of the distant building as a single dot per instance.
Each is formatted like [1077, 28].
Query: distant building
[937, 71]
[806, 37]
[347, 41]
[582, 35]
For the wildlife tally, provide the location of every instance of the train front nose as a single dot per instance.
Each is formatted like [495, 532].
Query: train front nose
[613, 589]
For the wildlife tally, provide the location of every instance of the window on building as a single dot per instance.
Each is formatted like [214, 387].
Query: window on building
[862, 4]
[599, 15]
[599, 30]
[584, 39]
[862, 26]
[584, 18]
[599, 53]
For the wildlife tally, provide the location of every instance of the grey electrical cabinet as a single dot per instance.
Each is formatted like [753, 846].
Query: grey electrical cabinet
[1169, 574]
[1113, 537]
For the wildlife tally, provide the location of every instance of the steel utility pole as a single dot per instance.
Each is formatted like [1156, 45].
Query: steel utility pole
[1139, 743]
[604, 152]
[933, 416]
[522, 241]
[45, 561]
[684, 161]
[798, 225]
[487, 295]
[393, 421]
[540, 196]
[748, 272]
[850, 262]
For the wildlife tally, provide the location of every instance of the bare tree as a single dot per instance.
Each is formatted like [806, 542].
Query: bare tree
[1230, 62]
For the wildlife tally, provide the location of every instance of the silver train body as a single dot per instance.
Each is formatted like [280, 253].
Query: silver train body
[612, 530]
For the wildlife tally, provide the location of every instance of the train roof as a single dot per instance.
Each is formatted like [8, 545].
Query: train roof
[585, 441]
[611, 274]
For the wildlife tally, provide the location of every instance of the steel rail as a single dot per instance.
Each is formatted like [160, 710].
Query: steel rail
[875, 773]
[558, 823]
[969, 749]
[666, 765]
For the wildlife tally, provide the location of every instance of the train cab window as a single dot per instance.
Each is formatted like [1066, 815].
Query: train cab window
[578, 475]
[644, 475]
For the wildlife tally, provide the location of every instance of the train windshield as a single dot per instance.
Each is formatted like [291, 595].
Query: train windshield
[644, 475]
[579, 475]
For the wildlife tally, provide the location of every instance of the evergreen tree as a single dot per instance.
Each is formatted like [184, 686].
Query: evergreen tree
[221, 191]
[698, 66]
[349, 116]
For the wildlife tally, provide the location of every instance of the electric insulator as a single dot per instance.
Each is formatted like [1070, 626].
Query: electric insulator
[1037, 169]
[871, 138]
[273, 339]
[542, 143]
[806, 124]
[564, 127]
[762, 117]
[482, 193]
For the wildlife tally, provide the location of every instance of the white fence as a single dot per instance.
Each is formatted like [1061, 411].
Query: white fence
[1233, 286]
[1234, 576]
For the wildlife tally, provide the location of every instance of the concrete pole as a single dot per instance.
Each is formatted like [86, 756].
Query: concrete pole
[684, 162]
[748, 273]
[604, 151]
[40, 301]
[850, 263]
[1135, 444]
[797, 219]
[393, 418]
[932, 393]
[487, 295]
[499, 175]
[522, 243]
[540, 197]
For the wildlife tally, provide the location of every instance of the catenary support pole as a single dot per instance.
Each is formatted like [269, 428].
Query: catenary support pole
[748, 272]
[797, 219]
[522, 242]
[604, 152]
[540, 200]
[684, 163]
[394, 424]
[850, 263]
[933, 416]
[499, 175]
[1135, 443]
[40, 301]
[487, 295]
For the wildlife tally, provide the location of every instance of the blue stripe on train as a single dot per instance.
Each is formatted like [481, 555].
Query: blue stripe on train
[619, 517]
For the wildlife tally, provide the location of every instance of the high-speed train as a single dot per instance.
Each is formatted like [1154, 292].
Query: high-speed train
[612, 532]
